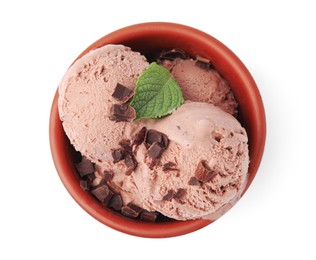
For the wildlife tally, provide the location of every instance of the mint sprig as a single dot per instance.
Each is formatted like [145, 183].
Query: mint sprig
[157, 93]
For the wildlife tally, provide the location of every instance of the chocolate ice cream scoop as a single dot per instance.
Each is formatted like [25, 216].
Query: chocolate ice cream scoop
[90, 99]
[203, 170]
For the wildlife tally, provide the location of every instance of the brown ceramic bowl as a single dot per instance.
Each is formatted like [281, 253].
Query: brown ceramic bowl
[147, 38]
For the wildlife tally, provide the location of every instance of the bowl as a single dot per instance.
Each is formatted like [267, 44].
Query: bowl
[149, 38]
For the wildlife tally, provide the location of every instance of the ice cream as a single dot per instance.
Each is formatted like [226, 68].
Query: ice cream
[85, 99]
[188, 165]
[202, 85]
[200, 135]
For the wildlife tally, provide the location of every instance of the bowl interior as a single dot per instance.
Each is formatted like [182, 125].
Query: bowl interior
[149, 38]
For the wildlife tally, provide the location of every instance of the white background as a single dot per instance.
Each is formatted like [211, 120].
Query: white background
[274, 220]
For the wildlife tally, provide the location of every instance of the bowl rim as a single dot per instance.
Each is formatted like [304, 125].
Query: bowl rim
[117, 222]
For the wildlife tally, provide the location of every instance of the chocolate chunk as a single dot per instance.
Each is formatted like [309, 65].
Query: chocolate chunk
[155, 151]
[202, 62]
[180, 193]
[165, 141]
[170, 166]
[122, 93]
[122, 113]
[90, 177]
[135, 208]
[203, 172]
[129, 212]
[153, 136]
[107, 176]
[130, 163]
[156, 143]
[194, 182]
[126, 145]
[172, 55]
[116, 202]
[85, 167]
[118, 155]
[85, 185]
[103, 194]
[139, 137]
[169, 196]
[148, 216]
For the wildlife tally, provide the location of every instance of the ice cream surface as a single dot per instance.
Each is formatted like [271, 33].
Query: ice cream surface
[202, 85]
[85, 99]
[198, 133]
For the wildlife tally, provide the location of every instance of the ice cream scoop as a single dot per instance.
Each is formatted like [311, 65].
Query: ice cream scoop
[201, 84]
[203, 169]
[85, 99]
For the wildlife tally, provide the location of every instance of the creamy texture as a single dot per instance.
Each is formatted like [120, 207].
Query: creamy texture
[197, 131]
[85, 99]
[202, 85]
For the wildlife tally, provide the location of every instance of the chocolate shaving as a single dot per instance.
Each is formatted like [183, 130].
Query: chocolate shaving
[148, 216]
[202, 62]
[85, 167]
[122, 93]
[180, 193]
[139, 137]
[169, 196]
[155, 151]
[118, 155]
[169, 166]
[172, 55]
[103, 194]
[122, 113]
[194, 182]
[130, 163]
[203, 172]
[116, 202]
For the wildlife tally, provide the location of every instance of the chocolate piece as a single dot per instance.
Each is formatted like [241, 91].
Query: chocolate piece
[173, 54]
[129, 212]
[118, 155]
[169, 166]
[137, 209]
[148, 216]
[103, 194]
[202, 62]
[155, 150]
[180, 193]
[194, 182]
[90, 177]
[203, 172]
[130, 163]
[139, 137]
[153, 136]
[85, 185]
[107, 176]
[122, 113]
[169, 196]
[122, 93]
[116, 202]
[85, 167]
[126, 145]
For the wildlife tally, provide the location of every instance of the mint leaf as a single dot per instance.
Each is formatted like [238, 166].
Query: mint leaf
[157, 93]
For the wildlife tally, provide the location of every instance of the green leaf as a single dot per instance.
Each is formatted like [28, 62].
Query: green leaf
[157, 93]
